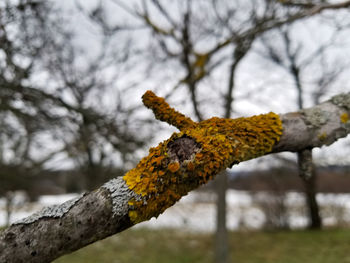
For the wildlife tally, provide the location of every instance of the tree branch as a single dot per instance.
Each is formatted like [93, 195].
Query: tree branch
[172, 169]
[320, 125]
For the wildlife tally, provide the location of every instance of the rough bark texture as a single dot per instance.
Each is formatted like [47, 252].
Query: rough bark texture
[320, 125]
[62, 229]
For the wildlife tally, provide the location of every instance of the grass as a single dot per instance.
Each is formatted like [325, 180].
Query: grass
[170, 246]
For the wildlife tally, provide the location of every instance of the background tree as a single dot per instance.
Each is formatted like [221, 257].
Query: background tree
[294, 56]
[102, 134]
[25, 112]
[60, 108]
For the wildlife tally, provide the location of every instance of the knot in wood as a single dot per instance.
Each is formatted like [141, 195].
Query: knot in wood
[182, 149]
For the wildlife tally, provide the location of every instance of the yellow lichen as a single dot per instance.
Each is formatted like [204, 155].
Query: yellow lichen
[161, 182]
[344, 118]
[201, 60]
[164, 112]
[198, 67]
[322, 136]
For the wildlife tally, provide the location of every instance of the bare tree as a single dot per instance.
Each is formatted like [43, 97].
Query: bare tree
[290, 54]
[62, 113]
[25, 112]
[101, 132]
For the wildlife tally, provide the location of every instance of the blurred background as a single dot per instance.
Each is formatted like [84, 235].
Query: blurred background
[72, 74]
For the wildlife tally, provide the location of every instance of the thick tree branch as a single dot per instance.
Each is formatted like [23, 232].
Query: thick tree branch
[182, 163]
[320, 125]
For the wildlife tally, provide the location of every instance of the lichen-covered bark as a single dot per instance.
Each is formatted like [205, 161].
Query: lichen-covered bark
[172, 169]
[194, 155]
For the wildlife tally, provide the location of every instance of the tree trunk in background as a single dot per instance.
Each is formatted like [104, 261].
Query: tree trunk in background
[308, 175]
[305, 161]
[221, 241]
[221, 235]
[314, 215]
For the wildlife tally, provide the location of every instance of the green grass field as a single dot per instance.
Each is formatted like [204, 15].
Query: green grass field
[169, 246]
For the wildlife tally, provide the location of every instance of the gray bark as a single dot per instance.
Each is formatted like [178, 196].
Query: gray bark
[93, 216]
[316, 126]
[59, 230]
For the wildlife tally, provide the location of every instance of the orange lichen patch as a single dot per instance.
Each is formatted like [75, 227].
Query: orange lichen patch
[160, 181]
[199, 156]
[157, 160]
[190, 166]
[344, 118]
[173, 167]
